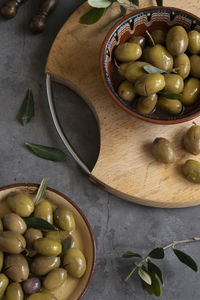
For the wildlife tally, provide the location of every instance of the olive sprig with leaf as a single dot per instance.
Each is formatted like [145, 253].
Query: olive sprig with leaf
[150, 273]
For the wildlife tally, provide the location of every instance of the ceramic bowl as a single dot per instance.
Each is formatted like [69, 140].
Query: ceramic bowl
[136, 23]
[73, 289]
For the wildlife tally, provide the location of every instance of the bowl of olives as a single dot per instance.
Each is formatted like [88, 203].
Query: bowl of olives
[47, 248]
[150, 64]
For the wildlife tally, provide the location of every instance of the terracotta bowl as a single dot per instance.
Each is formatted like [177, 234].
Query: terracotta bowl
[72, 289]
[136, 23]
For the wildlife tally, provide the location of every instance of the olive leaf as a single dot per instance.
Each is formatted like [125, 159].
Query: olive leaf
[129, 254]
[151, 69]
[66, 245]
[45, 152]
[144, 275]
[41, 190]
[157, 253]
[39, 223]
[155, 269]
[99, 3]
[159, 2]
[170, 95]
[186, 259]
[154, 288]
[27, 109]
[92, 16]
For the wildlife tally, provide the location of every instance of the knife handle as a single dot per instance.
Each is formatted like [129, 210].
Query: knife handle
[38, 22]
[10, 8]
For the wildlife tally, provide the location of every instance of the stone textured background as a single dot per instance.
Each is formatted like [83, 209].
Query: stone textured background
[117, 224]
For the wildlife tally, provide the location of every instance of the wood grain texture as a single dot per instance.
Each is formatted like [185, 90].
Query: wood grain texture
[125, 166]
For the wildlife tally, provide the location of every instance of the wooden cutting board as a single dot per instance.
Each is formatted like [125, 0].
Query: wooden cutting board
[125, 166]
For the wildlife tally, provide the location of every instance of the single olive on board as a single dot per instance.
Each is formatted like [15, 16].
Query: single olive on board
[146, 105]
[32, 285]
[177, 40]
[149, 84]
[173, 83]
[135, 70]
[128, 52]
[47, 247]
[16, 267]
[163, 150]
[195, 65]
[158, 36]
[42, 296]
[138, 39]
[44, 211]
[191, 140]
[3, 284]
[14, 291]
[191, 170]
[32, 235]
[126, 91]
[21, 204]
[14, 222]
[64, 219]
[41, 265]
[194, 42]
[74, 262]
[171, 106]
[159, 57]
[191, 91]
[1, 260]
[12, 242]
[182, 65]
[54, 279]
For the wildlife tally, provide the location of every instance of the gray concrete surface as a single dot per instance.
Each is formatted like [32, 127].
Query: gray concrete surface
[117, 224]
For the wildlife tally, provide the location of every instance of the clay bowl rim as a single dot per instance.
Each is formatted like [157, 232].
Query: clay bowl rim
[35, 185]
[102, 51]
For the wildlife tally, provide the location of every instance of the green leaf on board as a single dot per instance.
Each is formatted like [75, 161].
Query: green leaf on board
[27, 109]
[39, 223]
[99, 3]
[159, 2]
[92, 16]
[186, 259]
[154, 288]
[144, 275]
[66, 245]
[155, 269]
[41, 190]
[170, 95]
[129, 254]
[45, 152]
[151, 69]
[157, 253]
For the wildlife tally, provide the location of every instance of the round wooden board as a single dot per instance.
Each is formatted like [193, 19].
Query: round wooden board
[125, 166]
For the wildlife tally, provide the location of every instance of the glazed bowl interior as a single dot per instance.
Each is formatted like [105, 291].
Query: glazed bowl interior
[72, 289]
[137, 23]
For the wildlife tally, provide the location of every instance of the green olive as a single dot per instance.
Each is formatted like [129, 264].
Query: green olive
[13, 222]
[163, 150]
[195, 62]
[191, 91]
[56, 235]
[32, 285]
[177, 40]
[54, 279]
[138, 39]
[64, 219]
[171, 106]
[191, 140]
[128, 52]
[44, 211]
[126, 91]
[194, 42]
[32, 235]
[182, 65]
[42, 296]
[3, 284]
[16, 267]
[149, 84]
[122, 68]
[41, 265]
[158, 36]
[173, 83]
[1, 225]
[191, 170]
[146, 105]
[159, 57]
[1, 260]
[21, 204]
[135, 70]
[47, 247]
[12, 242]
[74, 262]
[14, 292]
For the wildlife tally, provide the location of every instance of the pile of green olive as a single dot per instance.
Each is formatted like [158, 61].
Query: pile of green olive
[163, 151]
[174, 84]
[31, 263]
